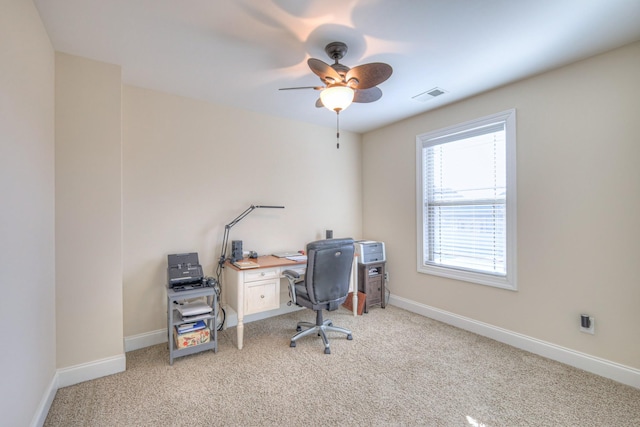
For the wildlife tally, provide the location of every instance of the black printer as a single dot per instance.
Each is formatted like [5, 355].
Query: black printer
[184, 271]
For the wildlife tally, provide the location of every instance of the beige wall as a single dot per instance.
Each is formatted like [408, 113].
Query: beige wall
[27, 305]
[191, 167]
[88, 211]
[578, 192]
[578, 205]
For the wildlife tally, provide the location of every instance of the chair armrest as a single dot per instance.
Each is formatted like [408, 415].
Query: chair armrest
[291, 274]
[293, 277]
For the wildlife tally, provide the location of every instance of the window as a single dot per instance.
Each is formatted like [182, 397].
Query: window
[466, 200]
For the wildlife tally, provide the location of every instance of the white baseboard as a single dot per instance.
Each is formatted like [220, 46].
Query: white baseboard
[90, 371]
[605, 368]
[231, 319]
[45, 404]
[136, 342]
[73, 375]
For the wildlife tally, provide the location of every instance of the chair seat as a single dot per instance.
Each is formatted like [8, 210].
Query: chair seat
[303, 300]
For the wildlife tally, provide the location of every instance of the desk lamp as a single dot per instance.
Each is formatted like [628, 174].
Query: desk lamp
[225, 239]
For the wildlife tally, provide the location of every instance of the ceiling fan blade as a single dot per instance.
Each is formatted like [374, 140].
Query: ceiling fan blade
[302, 87]
[369, 75]
[367, 95]
[324, 71]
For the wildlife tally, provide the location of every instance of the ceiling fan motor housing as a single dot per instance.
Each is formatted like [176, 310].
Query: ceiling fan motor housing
[336, 50]
[340, 69]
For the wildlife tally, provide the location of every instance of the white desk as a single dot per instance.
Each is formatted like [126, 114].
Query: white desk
[257, 290]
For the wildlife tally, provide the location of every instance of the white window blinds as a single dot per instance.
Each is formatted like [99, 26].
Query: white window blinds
[465, 199]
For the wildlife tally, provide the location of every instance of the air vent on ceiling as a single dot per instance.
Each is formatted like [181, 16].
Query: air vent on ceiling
[430, 94]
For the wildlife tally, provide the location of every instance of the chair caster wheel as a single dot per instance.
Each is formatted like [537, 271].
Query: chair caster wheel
[327, 351]
[292, 344]
[349, 337]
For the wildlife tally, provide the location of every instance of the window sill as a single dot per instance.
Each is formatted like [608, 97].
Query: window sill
[486, 279]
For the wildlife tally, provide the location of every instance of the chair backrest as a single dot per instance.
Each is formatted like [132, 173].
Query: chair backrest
[328, 272]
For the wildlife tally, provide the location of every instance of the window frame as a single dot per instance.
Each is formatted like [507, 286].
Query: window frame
[508, 281]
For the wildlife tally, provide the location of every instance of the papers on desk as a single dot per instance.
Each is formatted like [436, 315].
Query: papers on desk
[286, 254]
[297, 258]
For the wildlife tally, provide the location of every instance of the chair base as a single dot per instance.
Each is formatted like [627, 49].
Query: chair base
[321, 330]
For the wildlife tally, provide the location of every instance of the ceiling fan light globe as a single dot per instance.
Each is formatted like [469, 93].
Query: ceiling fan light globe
[337, 98]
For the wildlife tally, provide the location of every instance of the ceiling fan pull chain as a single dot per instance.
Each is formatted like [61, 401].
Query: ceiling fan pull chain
[338, 128]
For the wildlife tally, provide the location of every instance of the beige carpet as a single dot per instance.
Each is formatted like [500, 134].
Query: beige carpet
[401, 369]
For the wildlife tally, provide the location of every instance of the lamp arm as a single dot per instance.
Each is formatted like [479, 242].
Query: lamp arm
[223, 255]
[240, 217]
[225, 239]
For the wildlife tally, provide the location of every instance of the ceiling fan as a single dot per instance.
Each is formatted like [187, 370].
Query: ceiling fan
[344, 85]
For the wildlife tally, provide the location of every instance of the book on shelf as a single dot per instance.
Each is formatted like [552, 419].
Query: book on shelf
[190, 327]
[244, 264]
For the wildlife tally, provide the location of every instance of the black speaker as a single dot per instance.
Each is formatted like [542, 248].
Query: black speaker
[236, 250]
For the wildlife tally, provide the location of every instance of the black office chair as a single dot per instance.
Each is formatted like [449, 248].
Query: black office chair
[325, 286]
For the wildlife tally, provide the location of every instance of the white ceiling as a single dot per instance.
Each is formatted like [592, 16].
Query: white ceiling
[240, 52]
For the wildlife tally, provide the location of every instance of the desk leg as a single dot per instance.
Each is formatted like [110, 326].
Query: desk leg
[240, 332]
[354, 280]
[354, 301]
[240, 305]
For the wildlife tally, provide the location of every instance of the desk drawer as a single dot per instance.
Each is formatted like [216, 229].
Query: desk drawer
[262, 296]
[261, 274]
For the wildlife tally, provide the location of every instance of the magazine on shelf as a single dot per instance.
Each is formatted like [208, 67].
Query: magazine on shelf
[191, 326]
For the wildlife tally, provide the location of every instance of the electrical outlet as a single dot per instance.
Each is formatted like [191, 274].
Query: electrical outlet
[590, 327]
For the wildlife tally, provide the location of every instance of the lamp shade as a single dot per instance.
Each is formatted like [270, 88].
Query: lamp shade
[337, 98]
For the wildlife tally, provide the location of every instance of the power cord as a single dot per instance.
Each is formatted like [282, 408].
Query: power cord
[224, 317]
[218, 292]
